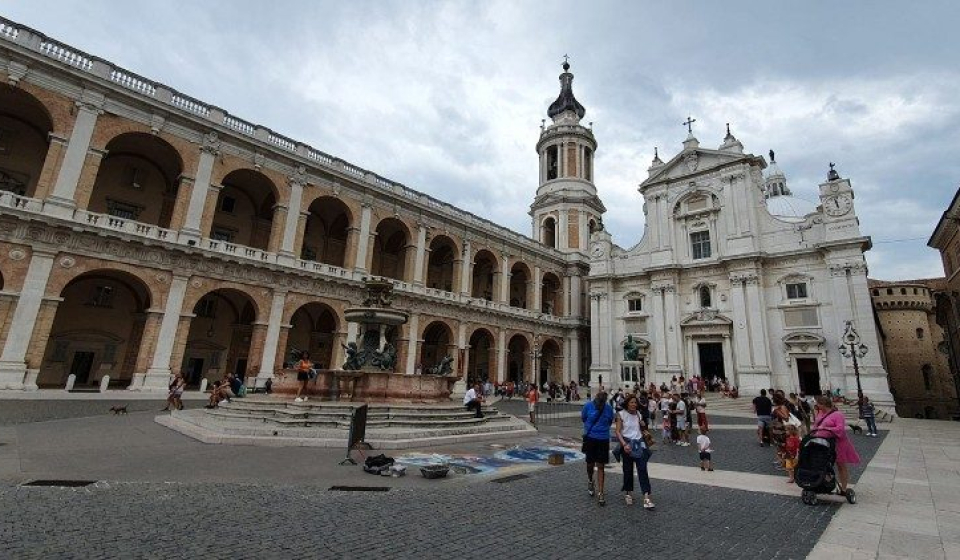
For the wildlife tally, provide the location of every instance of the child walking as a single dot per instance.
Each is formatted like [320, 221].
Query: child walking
[706, 450]
[791, 448]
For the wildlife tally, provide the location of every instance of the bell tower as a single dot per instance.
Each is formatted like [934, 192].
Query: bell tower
[566, 209]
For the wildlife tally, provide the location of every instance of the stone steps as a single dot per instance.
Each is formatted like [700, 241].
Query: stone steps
[262, 422]
[744, 406]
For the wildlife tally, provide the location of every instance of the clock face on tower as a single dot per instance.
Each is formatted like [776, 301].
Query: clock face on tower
[837, 205]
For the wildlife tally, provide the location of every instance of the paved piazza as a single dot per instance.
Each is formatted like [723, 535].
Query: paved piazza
[233, 501]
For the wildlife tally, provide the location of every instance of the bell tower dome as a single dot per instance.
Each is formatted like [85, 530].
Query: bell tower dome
[566, 209]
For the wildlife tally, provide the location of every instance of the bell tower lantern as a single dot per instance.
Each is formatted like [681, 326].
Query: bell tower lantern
[566, 209]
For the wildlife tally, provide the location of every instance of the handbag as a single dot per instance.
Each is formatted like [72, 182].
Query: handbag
[794, 421]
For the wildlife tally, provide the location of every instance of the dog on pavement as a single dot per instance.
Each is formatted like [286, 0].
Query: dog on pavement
[856, 429]
[118, 409]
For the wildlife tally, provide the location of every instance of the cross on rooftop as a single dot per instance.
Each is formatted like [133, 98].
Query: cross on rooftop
[566, 58]
[689, 124]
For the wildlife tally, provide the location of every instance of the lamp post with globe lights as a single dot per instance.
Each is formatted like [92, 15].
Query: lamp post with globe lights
[851, 347]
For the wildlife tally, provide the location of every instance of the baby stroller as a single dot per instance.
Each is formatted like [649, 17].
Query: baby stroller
[815, 472]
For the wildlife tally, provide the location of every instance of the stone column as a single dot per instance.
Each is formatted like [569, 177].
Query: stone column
[51, 166]
[61, 202]
[181, 337]
[466, 270]
[272, 338]
[206, 220]
[278, 227]
[39, 340]
[576, 303]
[502, 356]
[149, 340]
[659, 328]
[286, 254]
[157, 377]
[301, 233]
[413, 330]
[419, 262]
[190, 231]
[282, 346]
[363, 242]
[537, 290]
[563, 230]
[88, 178]
[13, 366]
[505, 279]
[672, 317]
[758, 328]
[461, 385]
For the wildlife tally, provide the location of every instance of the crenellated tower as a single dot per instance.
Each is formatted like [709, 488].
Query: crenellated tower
[566, 209]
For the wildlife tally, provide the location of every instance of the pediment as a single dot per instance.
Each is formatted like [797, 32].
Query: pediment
[803, 339]
[705, 317]
[693, 162]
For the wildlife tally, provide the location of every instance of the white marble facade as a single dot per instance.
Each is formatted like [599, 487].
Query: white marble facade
[734, 277]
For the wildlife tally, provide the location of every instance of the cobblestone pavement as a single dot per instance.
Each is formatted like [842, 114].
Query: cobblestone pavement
[547, 515]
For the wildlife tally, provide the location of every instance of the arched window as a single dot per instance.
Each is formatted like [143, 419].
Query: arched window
[548, 232]
[705, 299]
[927, 372]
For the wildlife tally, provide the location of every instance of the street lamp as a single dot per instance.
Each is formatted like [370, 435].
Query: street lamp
[536, 359]
[851, 347]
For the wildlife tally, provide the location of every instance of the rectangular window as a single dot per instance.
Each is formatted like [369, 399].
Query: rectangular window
[803, 317]
[635, 304]
[228, 204]
[797, 290]
[588, 164]
[552, 157]
[700, 244]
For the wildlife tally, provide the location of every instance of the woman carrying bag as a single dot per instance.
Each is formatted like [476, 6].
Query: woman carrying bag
[629, 429]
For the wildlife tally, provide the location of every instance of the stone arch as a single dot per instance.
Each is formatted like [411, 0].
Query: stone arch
[392, 250]
[245, 211]
[486, 272]
[326, 232]
[518, 358]
[550, 362]
[221, 336]
[26, 124]
[438, 342]
[97, 329]
[520, 279]
[482, 357]
[442, 263]
[138, 180]
[693, 194]
[548, 231]
[551, 294]
[314, 327]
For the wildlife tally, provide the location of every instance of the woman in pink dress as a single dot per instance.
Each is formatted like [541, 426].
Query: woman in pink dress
[831, 420]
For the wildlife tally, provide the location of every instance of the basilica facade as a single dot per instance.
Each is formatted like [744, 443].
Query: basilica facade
[735, 278]
[144, 232]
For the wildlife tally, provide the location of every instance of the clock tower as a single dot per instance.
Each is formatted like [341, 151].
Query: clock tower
[836, 200]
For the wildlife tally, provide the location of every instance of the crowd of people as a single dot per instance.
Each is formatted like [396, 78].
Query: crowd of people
[783, 419]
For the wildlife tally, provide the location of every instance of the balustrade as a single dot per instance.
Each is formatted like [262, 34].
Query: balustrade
[239, 125]
[133, 82]
[65, 54]
[190, 105]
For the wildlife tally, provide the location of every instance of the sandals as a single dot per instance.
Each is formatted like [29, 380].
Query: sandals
[628, 499]
[648, 503]
[590, 488]
[601, 499]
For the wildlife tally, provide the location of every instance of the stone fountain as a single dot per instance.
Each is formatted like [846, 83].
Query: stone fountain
[369, 372]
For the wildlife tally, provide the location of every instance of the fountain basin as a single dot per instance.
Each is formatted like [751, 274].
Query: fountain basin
[369, 386]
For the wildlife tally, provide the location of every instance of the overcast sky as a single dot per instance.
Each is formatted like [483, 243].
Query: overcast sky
[447, 97]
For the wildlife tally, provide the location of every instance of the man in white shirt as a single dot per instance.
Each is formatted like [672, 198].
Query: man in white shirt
[473, 400]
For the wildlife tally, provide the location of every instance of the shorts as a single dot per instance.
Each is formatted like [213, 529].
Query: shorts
[705, 455]
[763, 421]
[682, 424]
[531, 407]
[303, 376]
[789, 464]
[596, 450]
